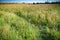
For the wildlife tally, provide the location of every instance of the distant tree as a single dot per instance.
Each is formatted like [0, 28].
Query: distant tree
[23, 2]
[37, 3]
[33, 2]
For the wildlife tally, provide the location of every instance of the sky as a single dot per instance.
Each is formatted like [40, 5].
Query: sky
[29, 0]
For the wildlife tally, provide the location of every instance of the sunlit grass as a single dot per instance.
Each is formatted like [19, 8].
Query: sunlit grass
[29, 22]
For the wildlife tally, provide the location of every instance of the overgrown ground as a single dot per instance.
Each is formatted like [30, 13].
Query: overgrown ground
[29, 22]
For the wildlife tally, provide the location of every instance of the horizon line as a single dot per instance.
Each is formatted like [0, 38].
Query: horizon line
[25, 2]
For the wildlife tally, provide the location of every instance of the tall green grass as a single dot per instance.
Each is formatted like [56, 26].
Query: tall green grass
[13, 27]
[30, 22]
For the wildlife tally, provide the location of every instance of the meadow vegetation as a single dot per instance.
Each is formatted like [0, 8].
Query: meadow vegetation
[29, 21]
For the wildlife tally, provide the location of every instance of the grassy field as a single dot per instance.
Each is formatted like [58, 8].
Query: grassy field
[29, 21]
